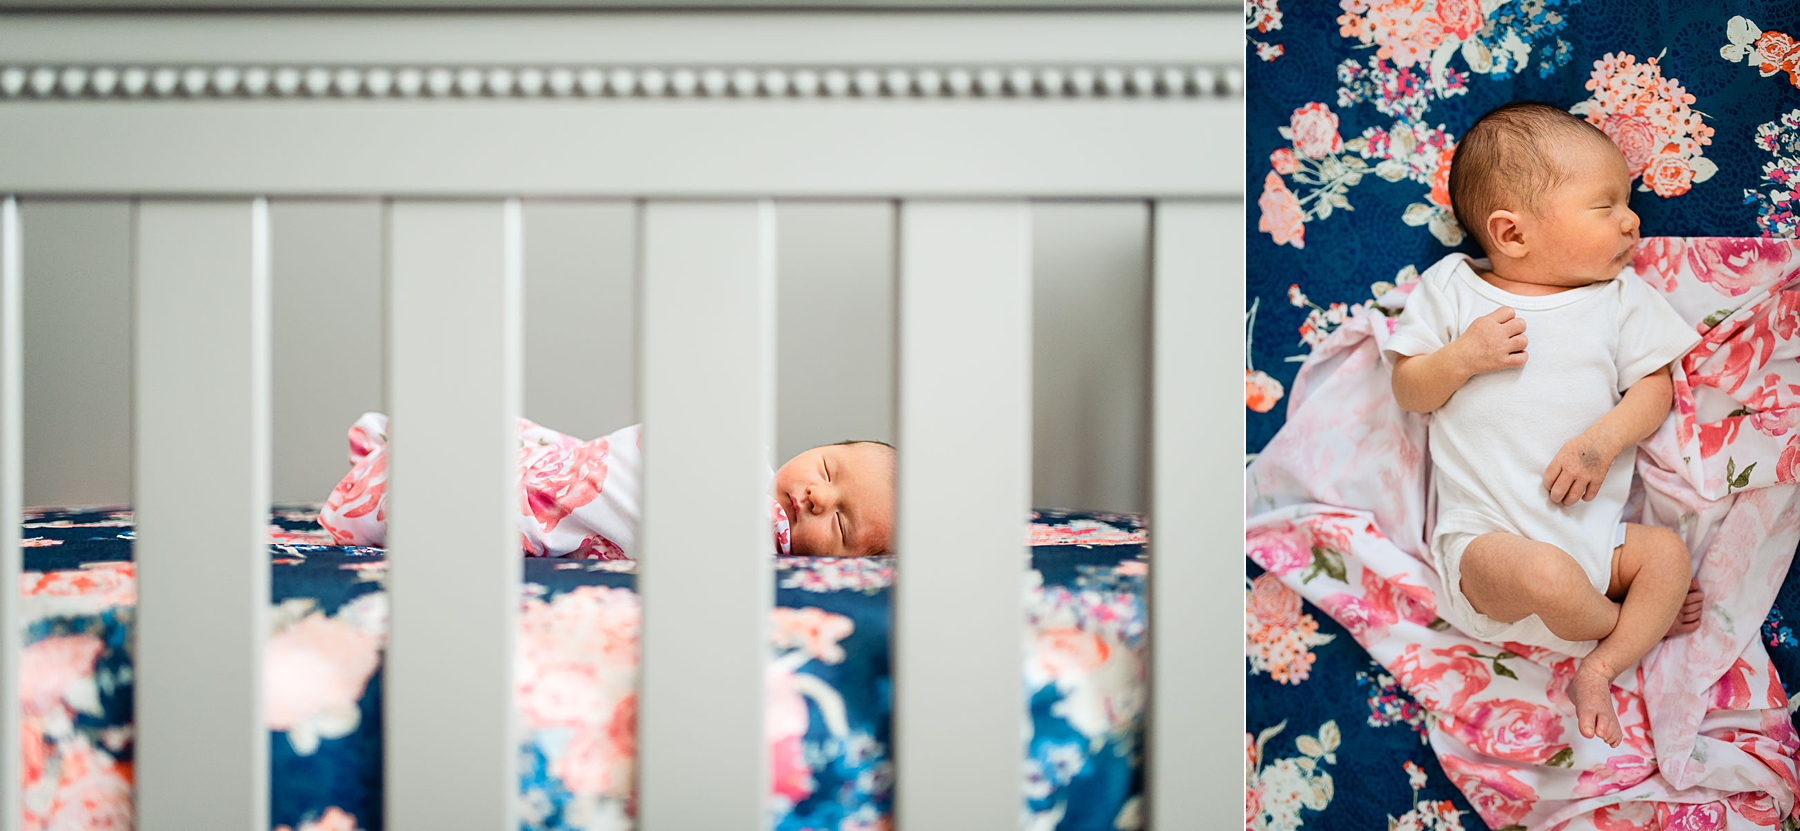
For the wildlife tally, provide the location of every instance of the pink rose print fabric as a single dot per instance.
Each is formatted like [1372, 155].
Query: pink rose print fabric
[577, 499]
[1339, 513]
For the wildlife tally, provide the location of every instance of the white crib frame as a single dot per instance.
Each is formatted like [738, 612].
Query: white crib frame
[960, 117]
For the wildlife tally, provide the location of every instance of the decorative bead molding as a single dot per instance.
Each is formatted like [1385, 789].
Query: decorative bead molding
[230, 82]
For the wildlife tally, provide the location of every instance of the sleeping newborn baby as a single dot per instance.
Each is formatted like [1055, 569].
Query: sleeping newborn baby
[584, 499]
[1532, 449]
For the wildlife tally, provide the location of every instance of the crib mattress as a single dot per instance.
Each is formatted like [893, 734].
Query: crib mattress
[829, 695]
[1310, 672]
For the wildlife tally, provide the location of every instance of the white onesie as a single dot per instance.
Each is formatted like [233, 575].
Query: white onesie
[1491, 442]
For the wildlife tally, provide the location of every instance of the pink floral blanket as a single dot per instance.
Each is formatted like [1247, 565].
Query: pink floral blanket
[1339, 511]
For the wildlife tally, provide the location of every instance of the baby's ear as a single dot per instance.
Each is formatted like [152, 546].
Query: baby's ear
[1506, 234]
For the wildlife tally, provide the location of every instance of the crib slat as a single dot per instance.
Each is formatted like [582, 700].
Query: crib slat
[705, 578]
[201, 489]
[455, 283]
[12, 412]
[1196, 518]
[965, 473]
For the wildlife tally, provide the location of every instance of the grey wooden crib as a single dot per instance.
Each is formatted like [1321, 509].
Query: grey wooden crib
[450, 115]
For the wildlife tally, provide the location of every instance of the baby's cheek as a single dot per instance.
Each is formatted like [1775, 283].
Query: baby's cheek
[805, 540]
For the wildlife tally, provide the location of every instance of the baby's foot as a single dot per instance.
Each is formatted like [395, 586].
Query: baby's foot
[1688, 619]
[1591, 692]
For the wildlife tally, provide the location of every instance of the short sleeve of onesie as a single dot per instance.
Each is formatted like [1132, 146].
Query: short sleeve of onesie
[1651, 334]
[1429, 320]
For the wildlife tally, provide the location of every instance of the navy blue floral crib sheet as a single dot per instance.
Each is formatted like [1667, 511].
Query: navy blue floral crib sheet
[829, 686]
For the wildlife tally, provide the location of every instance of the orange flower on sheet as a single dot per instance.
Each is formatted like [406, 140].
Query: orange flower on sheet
[334, 819]
[112, 583]
[1278, 637]
[1649, 117]
[314, 672]
[1282, 218]
[1260, 391]
[814, 631]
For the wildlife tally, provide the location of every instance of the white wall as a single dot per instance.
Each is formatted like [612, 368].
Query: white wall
[835, 342]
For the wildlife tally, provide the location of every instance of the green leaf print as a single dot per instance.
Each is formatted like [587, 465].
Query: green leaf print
[1438, 624]
[1734, 479]
[1564, 758]
[1714, 318]
[1327, 562]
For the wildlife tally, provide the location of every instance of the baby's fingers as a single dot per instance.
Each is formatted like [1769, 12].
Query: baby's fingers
[1559, 492]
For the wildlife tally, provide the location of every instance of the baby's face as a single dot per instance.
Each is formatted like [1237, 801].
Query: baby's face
[839, 499]
[1585, 233]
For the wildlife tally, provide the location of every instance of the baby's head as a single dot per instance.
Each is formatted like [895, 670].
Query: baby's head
[839, 499]
[1544, 193]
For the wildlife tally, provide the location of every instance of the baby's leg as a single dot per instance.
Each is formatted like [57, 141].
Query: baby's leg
[1651, 570]
[1509, 578]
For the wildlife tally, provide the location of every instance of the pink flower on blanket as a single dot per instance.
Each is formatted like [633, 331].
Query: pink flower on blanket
[1773, 743]
[1510, 729]
[1397, 599]
[1626, 816]
[1498, 796]
[1775, 723]
[1732, 690]
[1661, 257]
[1442, 685]
[561, 477]
[1777, 696]
[1735, 265]
[1366, 621]
[1280, 549]
[1617, 774]
[360, 493]
[1557, 691]
[1692, 816]
[595, 547]
[1755, 806]
[1786, 463]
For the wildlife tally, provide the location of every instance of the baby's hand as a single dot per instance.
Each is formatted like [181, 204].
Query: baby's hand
[1495, 341]
[1579, 469]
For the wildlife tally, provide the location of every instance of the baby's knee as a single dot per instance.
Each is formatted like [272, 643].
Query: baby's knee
[1661, 548]
[1547, 575]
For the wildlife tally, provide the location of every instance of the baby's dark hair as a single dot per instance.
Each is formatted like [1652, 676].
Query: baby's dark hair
[1509, 159]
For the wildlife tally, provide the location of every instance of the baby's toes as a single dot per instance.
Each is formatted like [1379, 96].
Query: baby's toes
[1609, 729]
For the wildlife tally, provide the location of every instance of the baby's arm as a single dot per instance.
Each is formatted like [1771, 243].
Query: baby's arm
[1580, 466]
[1495, 341]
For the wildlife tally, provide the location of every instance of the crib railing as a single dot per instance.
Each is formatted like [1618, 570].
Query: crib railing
[962, 168]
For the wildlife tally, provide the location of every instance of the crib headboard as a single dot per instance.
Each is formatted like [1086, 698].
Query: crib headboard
[450, 115]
